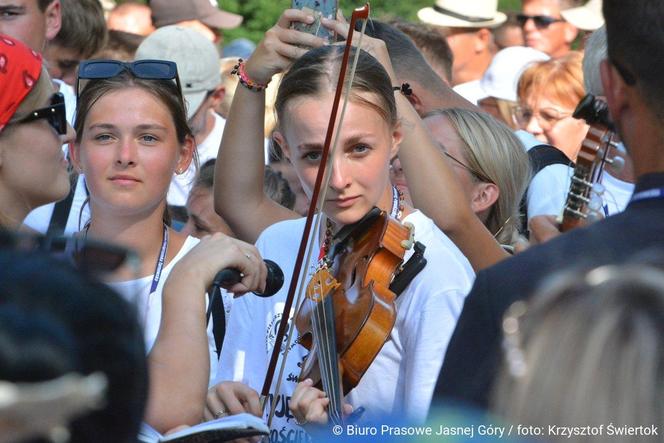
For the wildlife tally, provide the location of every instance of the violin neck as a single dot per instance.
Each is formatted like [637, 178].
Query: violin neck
[323, 325]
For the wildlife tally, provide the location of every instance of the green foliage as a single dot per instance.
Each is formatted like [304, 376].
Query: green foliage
[261, 15]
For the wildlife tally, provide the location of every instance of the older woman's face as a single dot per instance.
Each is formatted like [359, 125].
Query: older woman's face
[551, 121]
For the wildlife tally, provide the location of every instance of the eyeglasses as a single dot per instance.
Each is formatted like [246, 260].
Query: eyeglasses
[546, 117]
[541, 21]
[479, 175]
[145, 69]
[55, 114]
[90, 256]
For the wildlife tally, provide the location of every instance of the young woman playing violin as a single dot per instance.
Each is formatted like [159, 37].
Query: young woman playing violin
[400, 380]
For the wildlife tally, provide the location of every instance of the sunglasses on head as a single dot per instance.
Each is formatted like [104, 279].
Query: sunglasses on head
[55, 114]
[144, 69]
[541, 21]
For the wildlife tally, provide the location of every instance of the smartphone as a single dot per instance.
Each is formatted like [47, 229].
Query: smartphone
[317, 8]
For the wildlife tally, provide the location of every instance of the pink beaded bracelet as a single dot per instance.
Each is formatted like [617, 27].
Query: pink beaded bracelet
[244, 78]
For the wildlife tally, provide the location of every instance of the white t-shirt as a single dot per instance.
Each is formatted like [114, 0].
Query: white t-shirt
[548, 190]
[401, 380]
[137, 292]
[616, 195]
[471, 91]
[207, 149]
[40, 218]
[70, 99]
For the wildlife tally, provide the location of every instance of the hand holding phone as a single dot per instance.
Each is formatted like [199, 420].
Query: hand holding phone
[318, 9]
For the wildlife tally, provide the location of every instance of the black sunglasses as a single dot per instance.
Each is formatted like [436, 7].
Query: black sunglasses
[55, 114]
[87, 255]
[145, 69]
[541, 21]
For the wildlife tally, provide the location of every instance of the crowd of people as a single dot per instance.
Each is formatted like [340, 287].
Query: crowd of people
[505, 169]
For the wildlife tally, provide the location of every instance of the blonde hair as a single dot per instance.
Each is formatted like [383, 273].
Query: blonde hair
[592, 352]
[559, 79]
[492, 149]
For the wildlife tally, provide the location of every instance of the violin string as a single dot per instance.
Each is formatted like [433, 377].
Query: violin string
[299, 301]
[333, 384]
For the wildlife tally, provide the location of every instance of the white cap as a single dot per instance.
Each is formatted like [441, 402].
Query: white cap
[196, 56]
[502, 77]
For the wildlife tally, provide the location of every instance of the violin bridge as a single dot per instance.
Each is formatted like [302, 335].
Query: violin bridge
[408, 244]
[321, 284]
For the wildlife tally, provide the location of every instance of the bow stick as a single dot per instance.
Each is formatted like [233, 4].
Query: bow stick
[314, 206]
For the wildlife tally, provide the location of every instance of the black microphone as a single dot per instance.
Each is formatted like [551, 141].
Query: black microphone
[273, 282]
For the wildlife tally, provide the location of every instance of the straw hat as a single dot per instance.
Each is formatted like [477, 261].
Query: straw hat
[587, 17]
[463, 14]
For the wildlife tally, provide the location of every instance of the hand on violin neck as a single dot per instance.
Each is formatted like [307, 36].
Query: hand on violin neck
[281, 46]
[309, 405]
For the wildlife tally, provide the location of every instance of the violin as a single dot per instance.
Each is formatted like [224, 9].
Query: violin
[352, 308]
[594, 154]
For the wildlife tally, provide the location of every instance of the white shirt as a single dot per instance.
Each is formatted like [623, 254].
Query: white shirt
[402, 378]
[616, 195]
[40, 217]
[548, 190]
[148, 306]
[207, 149]
[70, 99]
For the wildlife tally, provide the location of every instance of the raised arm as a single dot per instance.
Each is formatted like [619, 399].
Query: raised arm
[435, 190]
[238, 178]
[179, 363]
[432, 182]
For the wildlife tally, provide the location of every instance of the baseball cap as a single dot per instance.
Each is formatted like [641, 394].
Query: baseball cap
[169, 12]
[196, 57]
[502, 76]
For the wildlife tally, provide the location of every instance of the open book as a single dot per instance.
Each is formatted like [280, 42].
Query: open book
[222, 429]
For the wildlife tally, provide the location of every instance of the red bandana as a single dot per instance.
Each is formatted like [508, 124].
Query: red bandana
[20, 68]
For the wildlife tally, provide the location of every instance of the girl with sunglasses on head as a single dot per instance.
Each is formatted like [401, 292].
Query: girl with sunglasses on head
[33, 170]
[400, 380]
[132, 137]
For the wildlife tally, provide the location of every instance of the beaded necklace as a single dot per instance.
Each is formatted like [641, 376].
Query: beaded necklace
[396, 213]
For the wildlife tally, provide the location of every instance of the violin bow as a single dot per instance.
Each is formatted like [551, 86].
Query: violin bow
[315, 206]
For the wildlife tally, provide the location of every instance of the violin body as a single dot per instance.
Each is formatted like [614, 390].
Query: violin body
[363, 306]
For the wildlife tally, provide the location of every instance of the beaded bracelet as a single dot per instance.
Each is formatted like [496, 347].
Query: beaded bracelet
[244, 78]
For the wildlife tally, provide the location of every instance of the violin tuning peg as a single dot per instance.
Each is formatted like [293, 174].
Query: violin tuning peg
[617, 163]
[407, 244]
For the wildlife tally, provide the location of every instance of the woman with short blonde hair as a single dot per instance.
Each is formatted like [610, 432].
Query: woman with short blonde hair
[495, 161]
[548, 94]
